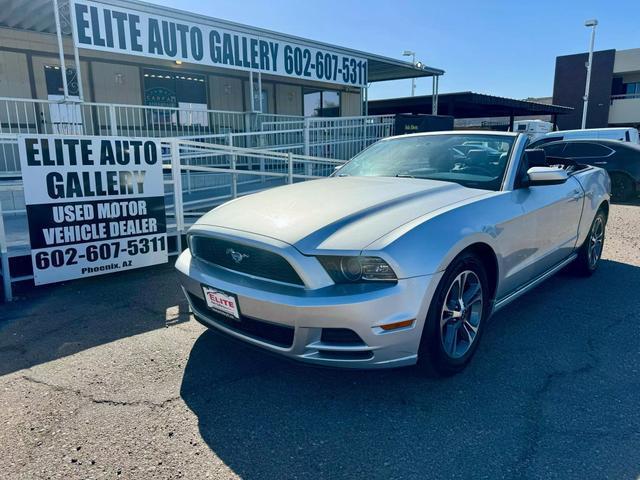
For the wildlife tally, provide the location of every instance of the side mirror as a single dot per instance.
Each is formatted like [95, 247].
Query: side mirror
[546, 176]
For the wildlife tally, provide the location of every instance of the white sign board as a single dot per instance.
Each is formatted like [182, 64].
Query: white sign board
[94, 205]
[116, 29]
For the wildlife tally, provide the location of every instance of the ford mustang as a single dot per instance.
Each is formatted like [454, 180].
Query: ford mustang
[401, 256]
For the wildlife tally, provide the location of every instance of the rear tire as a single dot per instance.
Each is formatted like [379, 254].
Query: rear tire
[622, 187]
[456, 318]
[591, 251]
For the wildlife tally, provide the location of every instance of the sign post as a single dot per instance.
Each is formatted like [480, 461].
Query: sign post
[94, 205]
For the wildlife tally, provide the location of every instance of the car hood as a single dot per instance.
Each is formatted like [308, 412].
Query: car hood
[339, 213]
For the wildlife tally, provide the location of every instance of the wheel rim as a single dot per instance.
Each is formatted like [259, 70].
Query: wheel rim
[596, 241]
[461, 314]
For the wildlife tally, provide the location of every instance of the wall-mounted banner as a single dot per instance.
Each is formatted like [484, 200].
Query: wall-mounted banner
[94, 205]
[115, 29]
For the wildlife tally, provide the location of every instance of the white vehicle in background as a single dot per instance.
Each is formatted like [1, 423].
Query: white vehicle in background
[623, 134]
[534, 129]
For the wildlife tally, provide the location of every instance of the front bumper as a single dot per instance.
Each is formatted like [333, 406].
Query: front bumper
[306, 312]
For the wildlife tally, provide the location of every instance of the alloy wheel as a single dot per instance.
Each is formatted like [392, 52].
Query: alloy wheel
[596, 241]
[461, 314]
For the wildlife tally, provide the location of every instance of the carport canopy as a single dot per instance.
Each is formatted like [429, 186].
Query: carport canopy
[465, 105]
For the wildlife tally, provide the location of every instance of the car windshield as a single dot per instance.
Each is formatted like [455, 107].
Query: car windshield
[472, 160]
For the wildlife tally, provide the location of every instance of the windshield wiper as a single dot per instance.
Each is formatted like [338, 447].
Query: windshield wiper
[404, 175]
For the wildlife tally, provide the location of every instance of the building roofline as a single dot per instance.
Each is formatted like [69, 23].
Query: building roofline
[388, 67]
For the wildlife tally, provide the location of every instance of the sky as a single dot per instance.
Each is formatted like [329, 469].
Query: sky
[505, 48]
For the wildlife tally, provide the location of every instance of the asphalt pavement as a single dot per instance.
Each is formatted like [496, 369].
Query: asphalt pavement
[110, 378]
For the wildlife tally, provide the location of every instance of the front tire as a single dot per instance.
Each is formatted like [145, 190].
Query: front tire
[591, 251]
[456, 317]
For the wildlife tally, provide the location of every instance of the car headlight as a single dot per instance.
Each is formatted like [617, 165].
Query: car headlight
[357, 269]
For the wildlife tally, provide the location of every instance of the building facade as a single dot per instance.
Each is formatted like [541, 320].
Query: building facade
[614, 96]
[134, 53]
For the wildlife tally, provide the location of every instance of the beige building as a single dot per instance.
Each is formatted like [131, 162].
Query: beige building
[286, 80]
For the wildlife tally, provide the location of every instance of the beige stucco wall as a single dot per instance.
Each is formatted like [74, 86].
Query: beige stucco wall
[115, 83]
[624, 111]
[627, 61]
[225, 93]
[288, 99]
[13, 75]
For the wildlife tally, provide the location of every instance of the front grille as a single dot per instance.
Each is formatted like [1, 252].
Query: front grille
[279, 335]
[250, 260]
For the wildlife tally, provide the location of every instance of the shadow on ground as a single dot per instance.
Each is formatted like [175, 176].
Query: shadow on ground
[548, 391]
[54, 321]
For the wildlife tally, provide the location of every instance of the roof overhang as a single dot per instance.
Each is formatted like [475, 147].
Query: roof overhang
[38, 16]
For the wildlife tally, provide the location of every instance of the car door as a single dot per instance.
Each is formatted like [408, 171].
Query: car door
[545, 232]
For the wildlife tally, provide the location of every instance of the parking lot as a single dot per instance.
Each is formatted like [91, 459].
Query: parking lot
[110, 378]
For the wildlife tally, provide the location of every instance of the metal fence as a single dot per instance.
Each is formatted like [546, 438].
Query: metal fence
[198, 176]
[344, 137]
[336, 137]
[87, 118]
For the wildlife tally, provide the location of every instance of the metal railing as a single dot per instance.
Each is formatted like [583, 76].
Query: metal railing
[88, 118]
[625, 96]
[336, 137]
[344, 137]
[197, 177]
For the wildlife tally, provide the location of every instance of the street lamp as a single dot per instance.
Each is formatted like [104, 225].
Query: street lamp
[589, 23]
[409, 53]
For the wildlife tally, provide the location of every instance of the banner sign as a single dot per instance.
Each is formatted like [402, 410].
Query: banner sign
[120, 30]
[94, 205]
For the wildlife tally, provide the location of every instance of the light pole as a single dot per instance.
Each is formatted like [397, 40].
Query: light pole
[589, 23]
[409, 53]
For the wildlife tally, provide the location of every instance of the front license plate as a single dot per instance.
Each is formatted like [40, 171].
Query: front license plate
[222, 302]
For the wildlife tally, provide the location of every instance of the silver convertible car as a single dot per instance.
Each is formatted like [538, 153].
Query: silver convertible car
[401, 256]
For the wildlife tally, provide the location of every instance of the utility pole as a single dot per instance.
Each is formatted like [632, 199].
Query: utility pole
[589, 23]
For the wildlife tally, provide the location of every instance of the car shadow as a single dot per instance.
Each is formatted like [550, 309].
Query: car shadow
[265, 417]
[54, 321]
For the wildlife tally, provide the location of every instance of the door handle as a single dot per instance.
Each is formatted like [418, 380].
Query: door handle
[599, 163]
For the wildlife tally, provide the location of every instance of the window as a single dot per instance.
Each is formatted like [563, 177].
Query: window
[472, 160]
[586, 150]
[321, 103]
[53, 80]
[632, 88]
[182, 90]
[330, 104]
[542, 141]
[554, 150]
